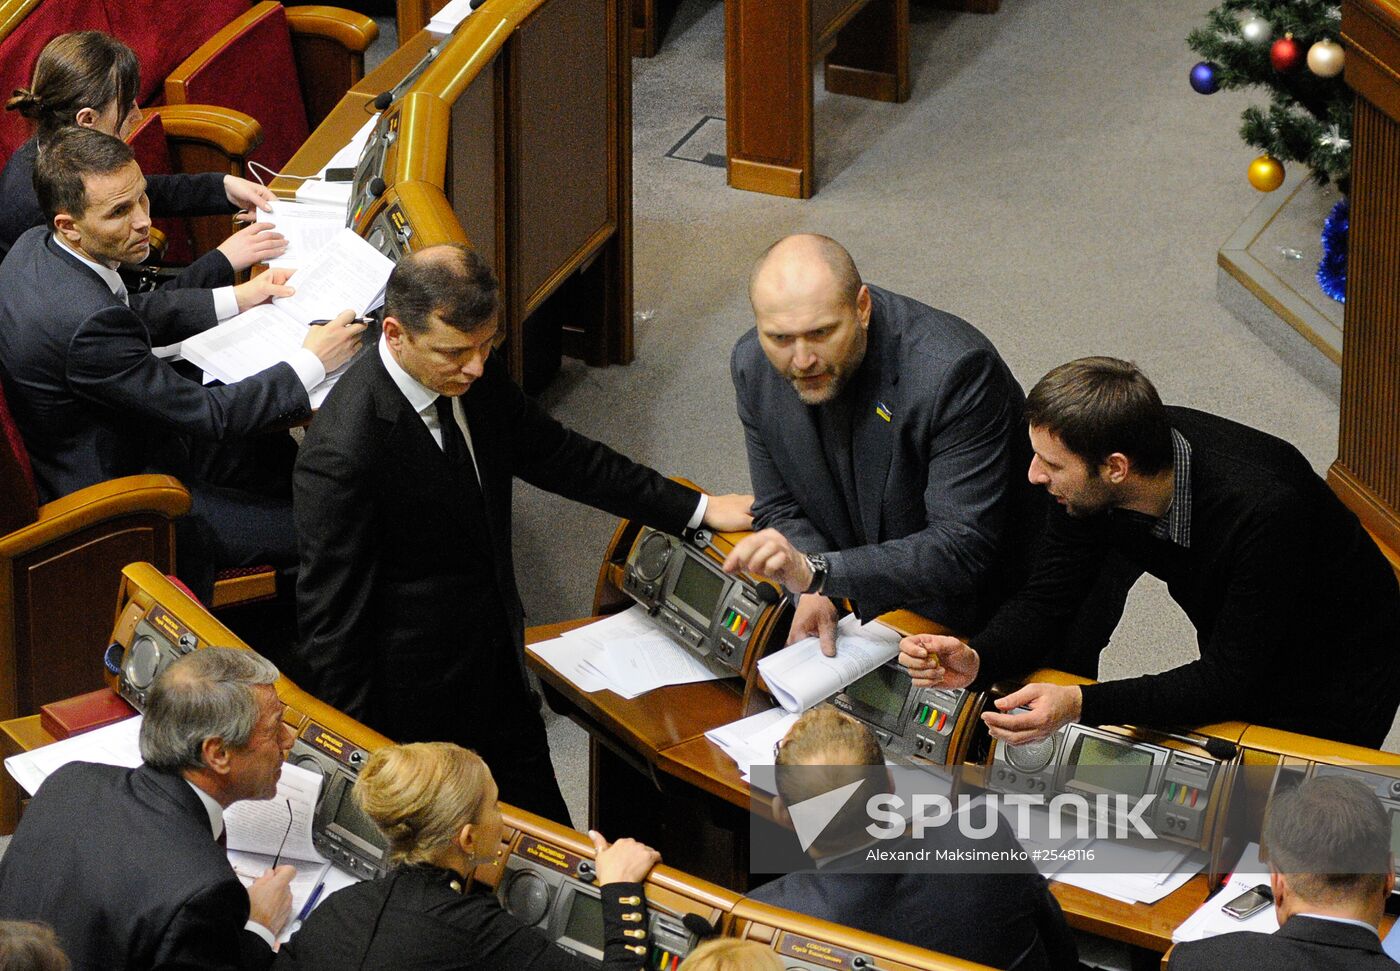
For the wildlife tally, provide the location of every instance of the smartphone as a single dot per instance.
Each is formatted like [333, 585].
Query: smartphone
[1250, 902]
[340, 175]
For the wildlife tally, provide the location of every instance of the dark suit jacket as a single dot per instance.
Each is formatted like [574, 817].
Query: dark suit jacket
[171, 195]
[940, 483]
[121, 863]
[90, 399]
[1002, 919]
[1302, 944]
[413, 921]
[405, 600]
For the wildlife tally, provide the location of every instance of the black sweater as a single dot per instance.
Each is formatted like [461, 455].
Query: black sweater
[413, 919]
[1297, 613]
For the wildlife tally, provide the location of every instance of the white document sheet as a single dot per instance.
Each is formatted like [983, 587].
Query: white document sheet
[453, 12]
[346, 273]
[259, 825]
[115, 744]
[749, 741]
[337, 194]
[626, 653]
[307, 229]
[800, 676]
[1209, 920]
[310, 875]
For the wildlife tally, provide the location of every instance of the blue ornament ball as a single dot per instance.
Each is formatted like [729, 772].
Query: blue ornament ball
[1203, 79]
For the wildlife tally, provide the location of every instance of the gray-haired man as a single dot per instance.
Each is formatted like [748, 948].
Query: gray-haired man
[127, 864]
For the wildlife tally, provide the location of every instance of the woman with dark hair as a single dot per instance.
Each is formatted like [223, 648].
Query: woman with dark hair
[435, 803]
[90, 79]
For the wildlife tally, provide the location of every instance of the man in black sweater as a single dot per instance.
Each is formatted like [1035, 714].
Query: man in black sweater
[1297, 613]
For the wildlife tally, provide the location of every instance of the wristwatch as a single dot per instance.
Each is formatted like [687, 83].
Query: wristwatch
[817, 563]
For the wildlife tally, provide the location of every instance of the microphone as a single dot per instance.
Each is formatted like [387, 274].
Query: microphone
[1217, 747]
[767, 593]
[377, 186]
[475, 3]
[698, 926]
[383, 100]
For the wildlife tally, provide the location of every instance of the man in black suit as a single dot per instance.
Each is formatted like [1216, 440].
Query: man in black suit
[91, 399]
[1006, 919]
[1261, 555]
[409, 615]
[885, 444]
[1331, 871]
[127, 864]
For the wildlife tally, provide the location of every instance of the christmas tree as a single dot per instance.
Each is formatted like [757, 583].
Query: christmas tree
[1290, 48]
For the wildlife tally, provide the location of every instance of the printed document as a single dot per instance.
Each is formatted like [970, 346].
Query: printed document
[800, 676]
[346, 273]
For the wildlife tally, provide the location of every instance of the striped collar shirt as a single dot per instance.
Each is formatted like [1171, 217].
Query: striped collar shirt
[1176, 524]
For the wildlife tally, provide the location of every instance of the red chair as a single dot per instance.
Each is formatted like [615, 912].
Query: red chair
[60, 572]
[286, 67]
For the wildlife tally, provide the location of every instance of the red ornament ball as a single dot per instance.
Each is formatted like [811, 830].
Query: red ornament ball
[1285, 54]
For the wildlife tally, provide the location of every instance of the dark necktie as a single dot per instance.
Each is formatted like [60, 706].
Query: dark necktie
[454, 448]
[222, 838]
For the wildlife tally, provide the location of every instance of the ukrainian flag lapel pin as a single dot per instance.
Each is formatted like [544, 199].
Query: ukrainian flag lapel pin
[883, 410]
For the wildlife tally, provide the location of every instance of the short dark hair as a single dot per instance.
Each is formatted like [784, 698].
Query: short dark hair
[29, 946]
[1330, 837]
[1101, 405]
[84, 69]
[450, 280]
[66, 158]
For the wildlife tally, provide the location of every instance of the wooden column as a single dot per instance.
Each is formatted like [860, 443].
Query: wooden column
[1366, 473]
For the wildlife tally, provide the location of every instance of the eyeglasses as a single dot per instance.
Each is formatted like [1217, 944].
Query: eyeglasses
[278, 858]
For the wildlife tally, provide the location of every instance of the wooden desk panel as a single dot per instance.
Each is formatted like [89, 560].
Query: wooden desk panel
[16, 735]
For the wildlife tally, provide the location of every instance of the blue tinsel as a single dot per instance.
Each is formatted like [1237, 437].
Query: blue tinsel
[1332, 269]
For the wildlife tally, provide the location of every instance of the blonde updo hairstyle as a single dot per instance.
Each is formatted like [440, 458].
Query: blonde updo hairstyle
[420, 796]
[731, 954]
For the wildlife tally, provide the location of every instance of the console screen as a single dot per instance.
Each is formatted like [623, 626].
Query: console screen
[1110, 767]
[349, 818]
[585, 923]
[883, 689]
[698, 588]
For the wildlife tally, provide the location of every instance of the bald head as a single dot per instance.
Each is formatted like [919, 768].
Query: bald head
[801, 267]
[811, 313]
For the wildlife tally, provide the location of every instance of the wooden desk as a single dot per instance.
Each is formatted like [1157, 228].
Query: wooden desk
[16, 735]
[522, 125]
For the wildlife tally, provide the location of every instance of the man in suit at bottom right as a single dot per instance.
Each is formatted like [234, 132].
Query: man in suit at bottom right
[1330, 867]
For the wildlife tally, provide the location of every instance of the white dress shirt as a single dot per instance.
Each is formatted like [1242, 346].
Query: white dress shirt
[216, 827]
[422, 400]
[310, 371]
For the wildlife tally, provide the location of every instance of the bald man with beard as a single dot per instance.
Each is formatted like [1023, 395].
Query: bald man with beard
[886, 446]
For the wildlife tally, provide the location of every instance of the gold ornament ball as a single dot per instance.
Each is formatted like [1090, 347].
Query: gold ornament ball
[1325, 59]
[1266, 173]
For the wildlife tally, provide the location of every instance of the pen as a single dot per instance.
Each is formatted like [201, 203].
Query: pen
[357, 320]
[311, 901]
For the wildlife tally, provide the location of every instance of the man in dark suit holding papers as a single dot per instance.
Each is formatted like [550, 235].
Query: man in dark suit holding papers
[127, 865]
[407, 605]
[91, 399]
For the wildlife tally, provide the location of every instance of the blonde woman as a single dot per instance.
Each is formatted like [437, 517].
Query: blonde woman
[436, 805]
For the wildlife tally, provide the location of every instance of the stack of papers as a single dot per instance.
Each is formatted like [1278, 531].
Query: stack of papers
[750, 741]
[317, 191]
[307, 228]
[346, 272]
[800, 676]
[1209, 920]
[453, 12]
[626, 653]
[256, 829]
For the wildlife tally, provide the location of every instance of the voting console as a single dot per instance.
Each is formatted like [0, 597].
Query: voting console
[542, 873]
